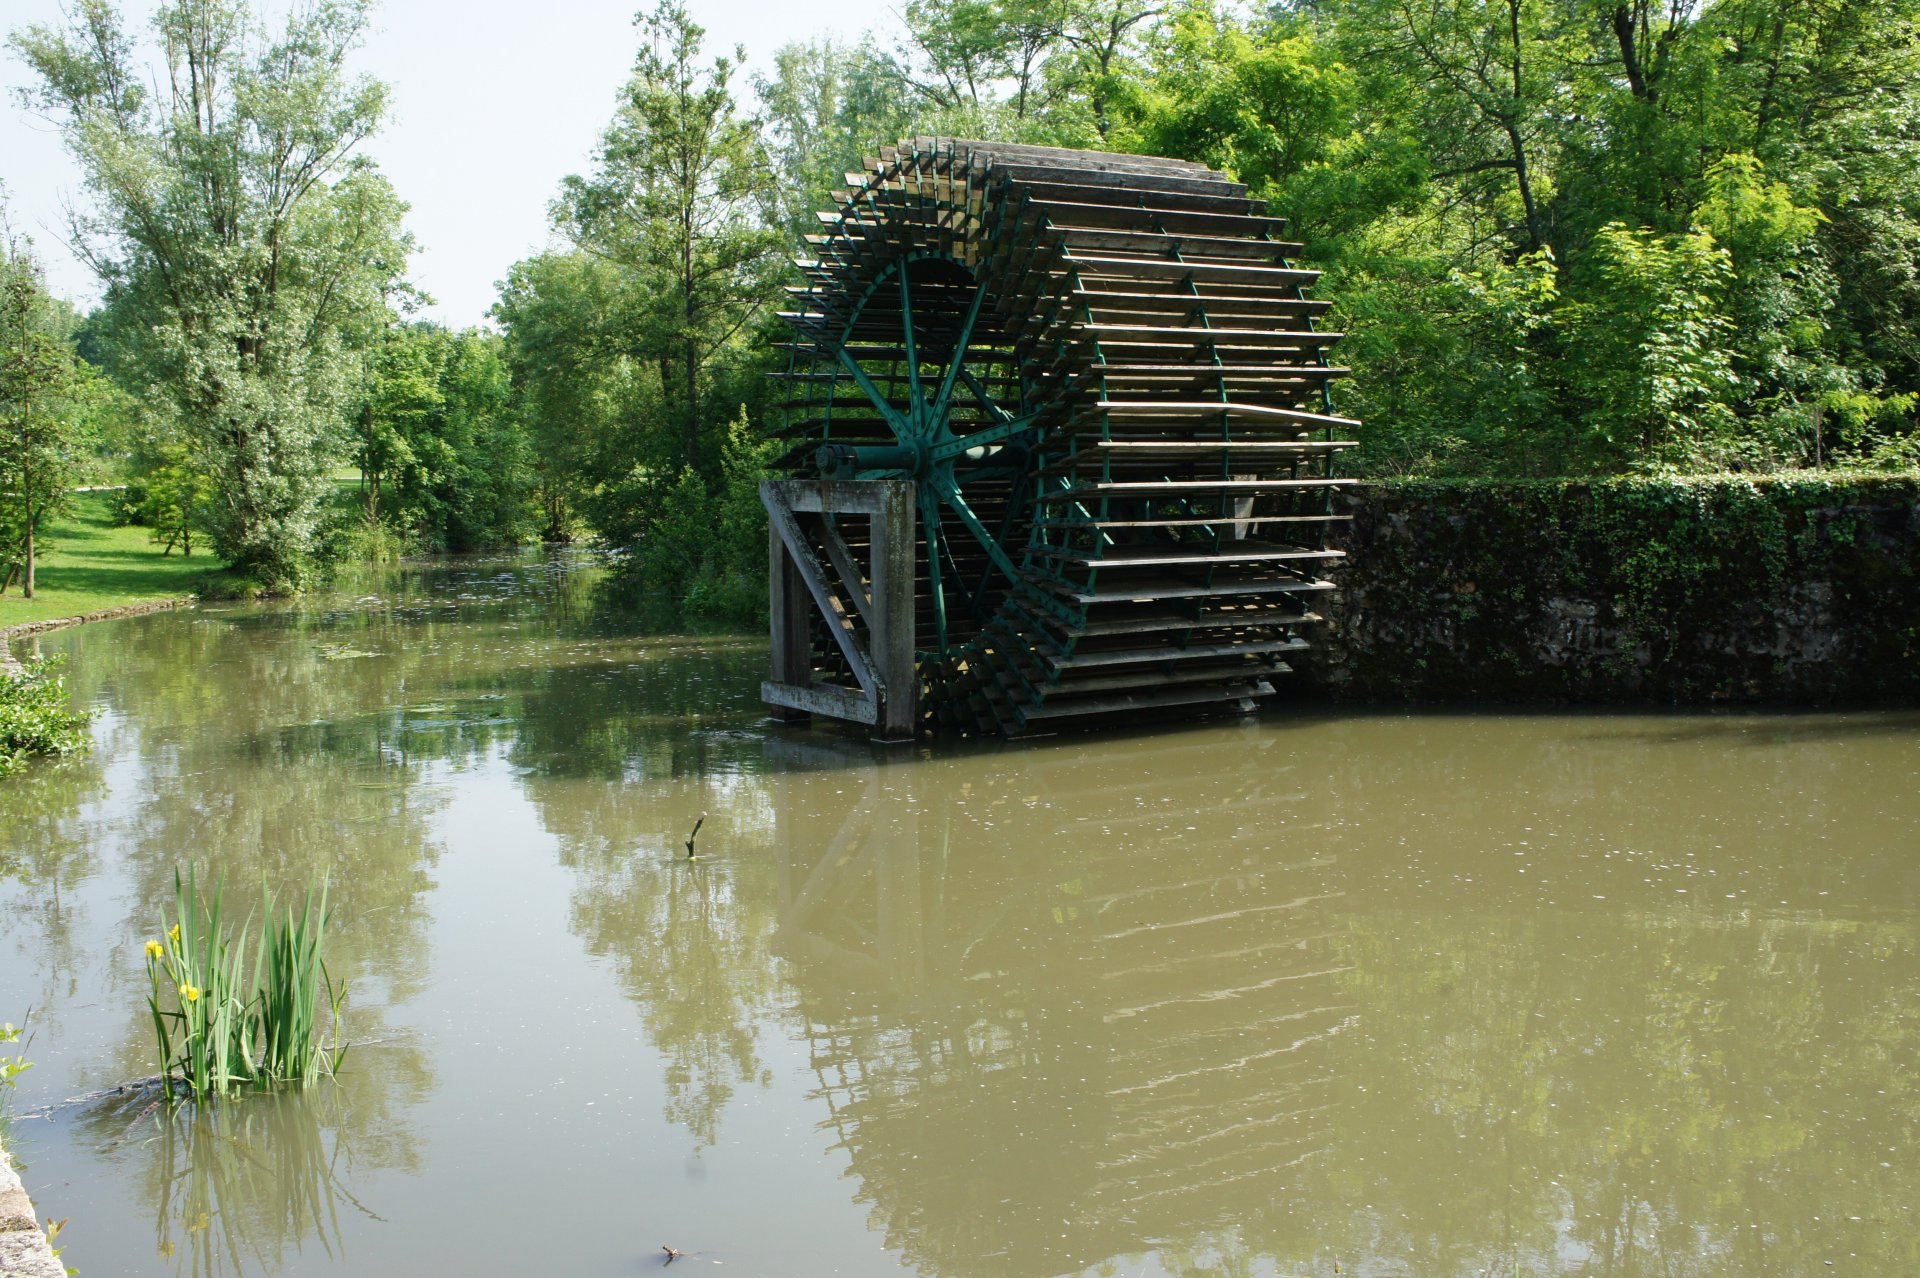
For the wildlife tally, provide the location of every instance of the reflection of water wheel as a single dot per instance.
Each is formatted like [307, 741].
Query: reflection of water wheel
[1104, 378]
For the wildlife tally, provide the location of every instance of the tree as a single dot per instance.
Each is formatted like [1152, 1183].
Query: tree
[175, 499]
[247, 249]
[823, 109]
[586, 405]
[403, 398]
[678, 197]
[42, 446]
[444, 460]
[1101, 34]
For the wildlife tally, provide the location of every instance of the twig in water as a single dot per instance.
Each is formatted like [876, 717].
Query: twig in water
[690, 838]
[673, 1255]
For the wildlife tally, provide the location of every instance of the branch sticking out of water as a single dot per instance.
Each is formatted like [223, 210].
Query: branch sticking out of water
[696, 834]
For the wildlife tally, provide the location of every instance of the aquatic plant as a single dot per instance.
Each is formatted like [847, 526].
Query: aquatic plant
[215, 1029]
[35, 717]
[200, 968]
[289, 972]
[11, 1067]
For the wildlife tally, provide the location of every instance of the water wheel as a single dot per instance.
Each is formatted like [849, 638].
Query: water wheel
[1105, 380]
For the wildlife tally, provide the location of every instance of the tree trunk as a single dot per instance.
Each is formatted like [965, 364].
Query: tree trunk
[1510, 121]
[31, 518]
[1624, 35]
[693, 405]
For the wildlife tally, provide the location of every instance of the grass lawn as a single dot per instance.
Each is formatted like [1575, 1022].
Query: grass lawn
[91, 564]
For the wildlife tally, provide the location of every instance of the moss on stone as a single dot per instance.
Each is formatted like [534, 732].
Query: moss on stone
[1795, 589]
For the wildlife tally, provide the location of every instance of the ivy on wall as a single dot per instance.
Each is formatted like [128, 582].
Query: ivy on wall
[1802, 588]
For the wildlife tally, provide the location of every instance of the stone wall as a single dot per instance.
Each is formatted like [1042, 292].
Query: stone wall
[1794, 590]
[24, 1252]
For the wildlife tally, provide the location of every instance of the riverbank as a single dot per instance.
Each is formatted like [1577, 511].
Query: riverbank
[24, 1250]
[94, 568]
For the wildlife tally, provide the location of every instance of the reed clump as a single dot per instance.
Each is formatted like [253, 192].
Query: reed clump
[220, 1025]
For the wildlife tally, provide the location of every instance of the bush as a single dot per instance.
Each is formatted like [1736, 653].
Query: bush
[703, 557]
[36, 718]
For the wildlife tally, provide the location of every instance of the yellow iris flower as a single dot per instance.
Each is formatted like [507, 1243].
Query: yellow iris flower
[189, 993]
[155, 949]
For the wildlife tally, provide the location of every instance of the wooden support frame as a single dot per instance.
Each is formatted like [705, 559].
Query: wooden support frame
[869, 615]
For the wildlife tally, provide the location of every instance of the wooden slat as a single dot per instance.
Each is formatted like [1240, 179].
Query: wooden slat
[820, 698]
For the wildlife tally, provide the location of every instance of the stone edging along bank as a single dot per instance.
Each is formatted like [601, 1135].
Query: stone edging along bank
[25, 628]
[24, 1251]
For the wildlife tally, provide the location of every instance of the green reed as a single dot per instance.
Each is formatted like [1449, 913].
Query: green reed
[289, 971]
[216, 1030]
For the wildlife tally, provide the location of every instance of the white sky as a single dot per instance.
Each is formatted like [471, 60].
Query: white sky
[494, 101]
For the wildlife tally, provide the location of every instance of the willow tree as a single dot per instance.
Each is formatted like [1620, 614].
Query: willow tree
[245, 246]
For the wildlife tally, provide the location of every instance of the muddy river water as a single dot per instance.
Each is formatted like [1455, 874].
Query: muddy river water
[1434, 994]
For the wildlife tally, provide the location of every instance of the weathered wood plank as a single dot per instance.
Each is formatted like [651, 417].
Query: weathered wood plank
[821, 698]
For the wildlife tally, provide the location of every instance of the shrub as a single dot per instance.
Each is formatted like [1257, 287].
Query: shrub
[36, 718]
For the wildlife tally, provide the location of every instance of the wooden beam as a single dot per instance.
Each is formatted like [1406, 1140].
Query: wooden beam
[821, 698]
[813, 573]
[841, 556]
[893, 588]
[788, 618]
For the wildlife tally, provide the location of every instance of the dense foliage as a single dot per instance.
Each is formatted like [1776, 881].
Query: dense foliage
[1784, 589]
[45, 418]
[246, 248]
[1566, 238]
[442, 457]
[35, 716]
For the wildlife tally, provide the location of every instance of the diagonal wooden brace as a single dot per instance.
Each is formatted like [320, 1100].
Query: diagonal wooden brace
[881, 599]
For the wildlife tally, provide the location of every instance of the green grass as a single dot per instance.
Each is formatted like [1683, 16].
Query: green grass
[92, 564]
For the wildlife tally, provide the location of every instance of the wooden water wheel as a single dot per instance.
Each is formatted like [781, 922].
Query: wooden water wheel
[1103, 380]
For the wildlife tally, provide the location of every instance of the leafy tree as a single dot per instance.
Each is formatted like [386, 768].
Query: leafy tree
[1427, 150]
[821, 112]
[175, 499]
[43, 445]
[1102, 38]
[589, 407]
[246, 247]
[443, 457]
[677, 197]
[1654, 335]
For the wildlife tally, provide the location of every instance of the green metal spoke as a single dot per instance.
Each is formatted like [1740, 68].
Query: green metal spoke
[962, 444]
[1001, 560]
[913, 353]
[979, 390]
[959, 358]
[930, 529]
[895, 422]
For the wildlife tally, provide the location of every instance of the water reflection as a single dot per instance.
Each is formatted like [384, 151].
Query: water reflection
[1241, 1018]
[248, 1187]
[687, 940]
[49, 847]
[1052, 1019]
[1632, 1095]
[1428, 995]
